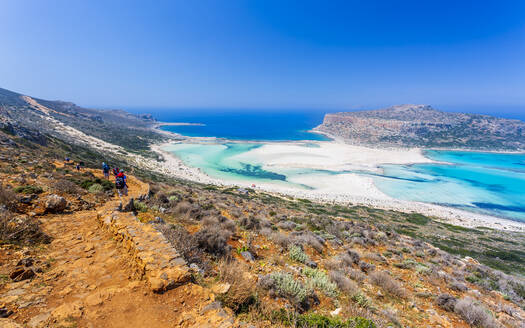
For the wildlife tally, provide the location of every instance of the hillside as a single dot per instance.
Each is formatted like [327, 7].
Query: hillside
[424, 126]
[181, 254]
[78, 125]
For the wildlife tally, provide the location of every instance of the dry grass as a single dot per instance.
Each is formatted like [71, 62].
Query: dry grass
[242, 287]
[388, 284]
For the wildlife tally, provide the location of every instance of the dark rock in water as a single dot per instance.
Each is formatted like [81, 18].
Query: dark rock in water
[55, 204]
[247, 256]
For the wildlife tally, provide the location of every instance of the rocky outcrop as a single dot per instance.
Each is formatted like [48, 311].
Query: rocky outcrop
[55, 204]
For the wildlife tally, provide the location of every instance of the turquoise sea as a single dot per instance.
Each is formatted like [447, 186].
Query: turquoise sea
[488, 183]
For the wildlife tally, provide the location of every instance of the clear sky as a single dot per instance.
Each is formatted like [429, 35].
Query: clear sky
[266, 54]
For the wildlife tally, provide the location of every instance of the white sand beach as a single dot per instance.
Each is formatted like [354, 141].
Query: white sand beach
[347, 188]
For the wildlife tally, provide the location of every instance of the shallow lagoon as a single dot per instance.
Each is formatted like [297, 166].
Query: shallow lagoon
[488, 183]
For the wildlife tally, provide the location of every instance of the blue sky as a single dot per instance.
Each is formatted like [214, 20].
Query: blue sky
[267, 54]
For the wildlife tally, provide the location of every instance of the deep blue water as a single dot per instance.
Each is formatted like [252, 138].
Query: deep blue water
[263, 125]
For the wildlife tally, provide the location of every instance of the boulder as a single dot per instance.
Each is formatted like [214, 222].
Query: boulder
[55, 204]
[247, 256]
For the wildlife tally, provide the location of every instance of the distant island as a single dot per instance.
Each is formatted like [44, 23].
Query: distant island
[425, 127]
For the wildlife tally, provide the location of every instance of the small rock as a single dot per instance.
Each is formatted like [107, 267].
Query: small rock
[27, 262]
[55, 204]
[158, 220]
[130, 206]
[311, 264]
[336, 311]
[196, 268]
[247, 256]
[26, 274]
[16, 273]
[156, 284]
[4, 312]
[37, 320]
[221, 288]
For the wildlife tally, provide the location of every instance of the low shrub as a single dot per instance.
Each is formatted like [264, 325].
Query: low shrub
[474, 314]
[8, 198]
[20, 230]
[284, 285]
[296, 253]
[68, 187]
[356, 275]
[28, 189]
[362, 301]
[446, 301]
[185, 243]
[140, 206]
[317, 279]
[241, 292]
[388, 284]
[343, 283]
[250, 223]
[314, 320]
[213, 240]
[96, 188]
[106, 184]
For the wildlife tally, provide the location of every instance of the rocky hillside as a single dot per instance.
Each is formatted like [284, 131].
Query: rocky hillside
[82, 126]
[179, 254]
[424, 126]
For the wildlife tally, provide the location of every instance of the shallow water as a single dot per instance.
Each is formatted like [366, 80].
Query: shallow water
[487, 183]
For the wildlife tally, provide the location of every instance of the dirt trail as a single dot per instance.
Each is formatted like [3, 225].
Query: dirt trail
[90, 281]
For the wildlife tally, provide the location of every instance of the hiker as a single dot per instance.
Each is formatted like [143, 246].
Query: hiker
[78, 166]
[67, 160]
[116, 171]
[105, 169]
[121, 185]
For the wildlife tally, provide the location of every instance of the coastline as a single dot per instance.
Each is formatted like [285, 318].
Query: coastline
[365, 193]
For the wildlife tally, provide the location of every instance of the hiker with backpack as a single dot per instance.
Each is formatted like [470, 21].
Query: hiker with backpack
[121, 185]
[115, 171]
[105, 169]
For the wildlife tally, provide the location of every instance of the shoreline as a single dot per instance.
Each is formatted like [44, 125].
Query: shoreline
[375, 198]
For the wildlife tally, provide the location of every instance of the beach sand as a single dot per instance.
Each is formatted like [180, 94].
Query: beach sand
[345, 189]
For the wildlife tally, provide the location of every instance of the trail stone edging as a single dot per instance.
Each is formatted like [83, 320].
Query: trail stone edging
[153, 257]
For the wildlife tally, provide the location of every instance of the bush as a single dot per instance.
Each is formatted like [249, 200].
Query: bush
[213, 240]
[29, 190]
[183, 208]
[240, 294]
[67, 187]
[343, 283]
[446, 301]
[8, 198]
[250, 223]
[313, 320]
[474, 314]
[356, 275]
[106, 184]
[21, 230]
[284, 285]
[362, 300]
[296, 253]
[317, 279]
[388, 284]
[96, 188]
[140, 206]
[184, 243]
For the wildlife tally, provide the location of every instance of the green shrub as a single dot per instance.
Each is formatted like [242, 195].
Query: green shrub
[29, 189]
[317, 279]
[106, 184]
[286, 286]
[95, 188]
[362, 300]
[314, 320]
[296, 254]
[140, 206]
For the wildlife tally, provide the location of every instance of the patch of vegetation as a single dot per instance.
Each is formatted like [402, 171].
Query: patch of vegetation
[314, 320]
[105, 184]
[317, 279]
[296, 253]
[29, 189]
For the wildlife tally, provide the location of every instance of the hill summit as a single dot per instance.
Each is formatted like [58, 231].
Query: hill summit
[424, 126]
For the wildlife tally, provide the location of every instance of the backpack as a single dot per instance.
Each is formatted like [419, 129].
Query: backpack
[120, 183]
[105, 168]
